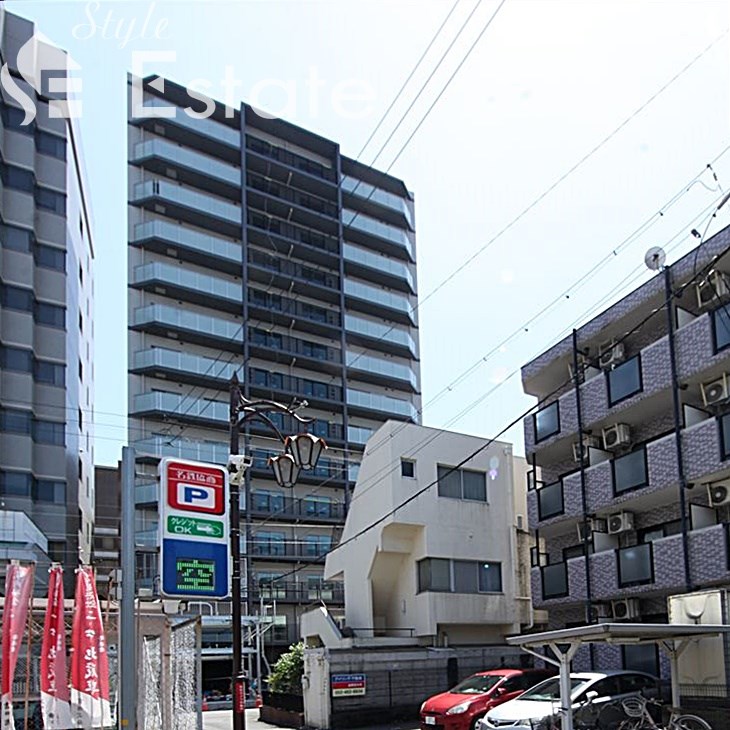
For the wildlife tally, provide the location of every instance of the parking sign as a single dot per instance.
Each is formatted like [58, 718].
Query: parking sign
[194, 534]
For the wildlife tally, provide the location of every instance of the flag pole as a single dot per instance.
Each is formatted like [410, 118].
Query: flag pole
[29, 646]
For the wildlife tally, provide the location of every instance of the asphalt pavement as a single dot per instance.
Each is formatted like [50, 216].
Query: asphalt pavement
[221, 720]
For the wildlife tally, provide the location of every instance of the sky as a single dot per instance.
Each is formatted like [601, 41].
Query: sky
[556, 147]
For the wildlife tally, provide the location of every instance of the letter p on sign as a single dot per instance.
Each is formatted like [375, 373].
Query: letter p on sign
[196, 496]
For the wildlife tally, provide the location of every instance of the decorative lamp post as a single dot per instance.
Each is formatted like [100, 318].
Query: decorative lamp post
[301, 451]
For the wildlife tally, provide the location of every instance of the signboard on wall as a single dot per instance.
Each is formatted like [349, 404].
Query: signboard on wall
[347, 685]
[194, 537]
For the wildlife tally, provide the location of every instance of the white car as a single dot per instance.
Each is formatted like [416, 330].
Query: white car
[543, 699]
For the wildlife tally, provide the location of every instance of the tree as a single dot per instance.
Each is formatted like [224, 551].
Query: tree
[286, 674]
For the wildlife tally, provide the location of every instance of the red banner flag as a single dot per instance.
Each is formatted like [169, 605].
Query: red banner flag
[90, 664]
[18, 590]
[55, 696]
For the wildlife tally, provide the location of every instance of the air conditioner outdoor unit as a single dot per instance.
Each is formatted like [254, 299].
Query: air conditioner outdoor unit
[611, 354]
[589, 442]
[620, 522]
[625, 609]
[712, 289]
[601, 611]
[715, 391]
[616, 436]
[718, 494]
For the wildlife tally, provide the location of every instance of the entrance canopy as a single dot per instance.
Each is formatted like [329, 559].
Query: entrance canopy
[564, 643]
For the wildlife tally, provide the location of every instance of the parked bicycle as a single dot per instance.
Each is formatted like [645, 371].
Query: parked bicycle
[587, 716]
[638, 716]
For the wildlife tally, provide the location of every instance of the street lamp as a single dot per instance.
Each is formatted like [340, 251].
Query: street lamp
[301, 451]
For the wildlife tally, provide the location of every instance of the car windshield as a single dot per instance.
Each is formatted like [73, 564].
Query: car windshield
[549, 690]
[476, 685]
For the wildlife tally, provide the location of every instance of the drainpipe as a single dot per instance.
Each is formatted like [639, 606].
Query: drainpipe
[678, 429]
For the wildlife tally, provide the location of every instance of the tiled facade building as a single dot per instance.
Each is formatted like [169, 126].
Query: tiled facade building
[648, 493]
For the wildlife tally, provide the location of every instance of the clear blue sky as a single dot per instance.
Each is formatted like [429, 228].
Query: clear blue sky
[548, 81]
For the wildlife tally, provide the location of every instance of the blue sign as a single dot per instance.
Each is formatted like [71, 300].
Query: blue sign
[194, 568]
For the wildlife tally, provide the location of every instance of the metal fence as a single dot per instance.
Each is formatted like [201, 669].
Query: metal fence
[186, 677]
[710, 701]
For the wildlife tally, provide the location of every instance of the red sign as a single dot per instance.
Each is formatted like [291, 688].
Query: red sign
[18, 588]
[193, 488]
[90, 664]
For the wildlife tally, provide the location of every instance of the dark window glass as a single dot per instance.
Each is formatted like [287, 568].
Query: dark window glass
[554, 580]
[276, 380]
[449, 482]
[672, 528]
[14, 297]
[50, 314]
[13, 118]
[574, 551]
[49, 432]
[50, 258]
[465, 576]
[624, 380]
[49, 144]
[725, 438]
[14, 421]
[18, 178]
[550, 500]
[407, 468]
[81, 370]
[15, 483]
[18, 239]
[490, 577]
[721, 327]
[50, 200]
[642, 658]
[46, 490]
[475, 485]
[635, 565]
[57, 551]
[651, 534]
[259, 377]
[13, 358]
[434, 574]
[50, 373]
[547, 422]
[629, 471]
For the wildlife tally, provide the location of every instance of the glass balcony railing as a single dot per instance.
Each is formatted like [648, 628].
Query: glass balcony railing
[186, 279]
[359, 435]
[376, 195]
[379, 331]
[379, 366]
[183, 362]
[146, 538]
[187, 198]
[635, 565]
[185, 157]
[374, 227]
[159, 445]
[382, 403]
[190, 321]
[176, 404]
[146, 493]
[187, 238]
[554, 580]
[381, 297]
[378, 263]
[207, 127]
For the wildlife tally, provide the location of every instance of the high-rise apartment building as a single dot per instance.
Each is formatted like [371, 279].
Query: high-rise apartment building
[46, 308]
[256, 248]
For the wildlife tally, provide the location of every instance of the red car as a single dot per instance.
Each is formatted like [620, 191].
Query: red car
[462, 706]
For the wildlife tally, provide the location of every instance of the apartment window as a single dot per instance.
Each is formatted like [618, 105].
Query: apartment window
[50, 314]
[81, 322]
[546, 422]
[407, 468]
[15, 421]
[554, 580]
[459, 576]
[14, 118]
[575, 551]
[630, 471]
[434, 574]
[725, 436]
[17, 239]
[317, 545]
[263, 501]
[462, 483]
[49, 432]
[13, 358]
[624, 380]
[81, 370]
[16, 483]
[50, 200]
[268, 543]
[17, 178]
[49, 144]
[48, 490]
[49, 373]
[49, 257]
[635, 565]
[57, 551]
[317, 506]
[721, 328]
[550, 500]
[490, 577]
[13, 297]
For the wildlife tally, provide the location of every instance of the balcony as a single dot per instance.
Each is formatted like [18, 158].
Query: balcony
[146, 494]
[290, 592]
[285, 349]
[280, 550]
[371, 265]
[359, 435]
[278, 507]
[326, 470]
[202, 170]
[180, 283]
[158, 445]
[187, 204]
[369, 403]
[183, 366]
[194, 246]
[318, 393]
[199, 328]
[380, 302]
[381, 371]
[370, 194]
[291, 312]
[313, 204]
[361, 228]
[385, 337]
[177, 406]
[290, 159]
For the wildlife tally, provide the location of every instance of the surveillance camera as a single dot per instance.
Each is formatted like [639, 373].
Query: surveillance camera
[237, 465]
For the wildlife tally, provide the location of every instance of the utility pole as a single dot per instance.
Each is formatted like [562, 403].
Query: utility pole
[127, 633]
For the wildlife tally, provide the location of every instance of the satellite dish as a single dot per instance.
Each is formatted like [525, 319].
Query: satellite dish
[655, 258]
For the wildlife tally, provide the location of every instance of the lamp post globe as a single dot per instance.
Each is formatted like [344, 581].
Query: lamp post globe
[285, 469]
[305, 448]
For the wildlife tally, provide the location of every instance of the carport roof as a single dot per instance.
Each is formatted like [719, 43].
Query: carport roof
[622, 633]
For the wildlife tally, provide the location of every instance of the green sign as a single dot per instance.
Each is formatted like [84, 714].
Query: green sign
[194, 526]
[195, 575]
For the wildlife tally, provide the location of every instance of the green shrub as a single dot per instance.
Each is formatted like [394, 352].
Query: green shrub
[286, 674]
